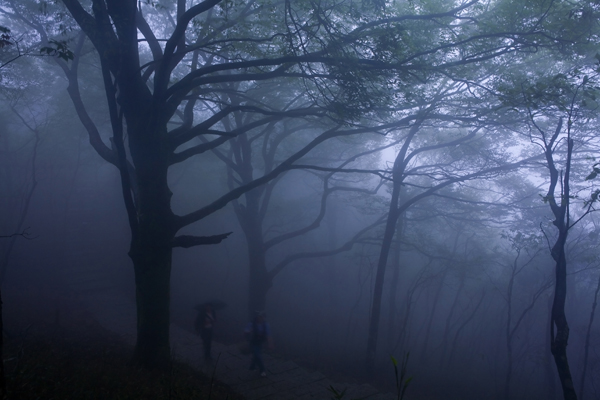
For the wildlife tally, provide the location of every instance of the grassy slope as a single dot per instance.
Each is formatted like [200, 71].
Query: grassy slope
[72, 357]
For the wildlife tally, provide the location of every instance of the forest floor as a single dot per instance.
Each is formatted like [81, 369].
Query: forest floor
[63, 344]
[70, 356]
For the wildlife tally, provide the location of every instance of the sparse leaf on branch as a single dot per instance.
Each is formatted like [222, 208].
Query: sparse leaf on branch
[58, 49]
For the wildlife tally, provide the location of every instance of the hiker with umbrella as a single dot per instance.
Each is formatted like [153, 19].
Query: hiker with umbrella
[204, 324]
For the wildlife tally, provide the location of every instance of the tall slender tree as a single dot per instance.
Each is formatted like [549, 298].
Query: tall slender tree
[562, 96]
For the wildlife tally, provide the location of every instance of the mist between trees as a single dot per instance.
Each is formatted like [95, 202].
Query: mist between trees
[382, 177]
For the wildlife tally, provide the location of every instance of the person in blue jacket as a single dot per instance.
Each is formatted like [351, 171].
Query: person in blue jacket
[258, 333]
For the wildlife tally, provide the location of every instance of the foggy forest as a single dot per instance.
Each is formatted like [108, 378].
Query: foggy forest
[365, 199]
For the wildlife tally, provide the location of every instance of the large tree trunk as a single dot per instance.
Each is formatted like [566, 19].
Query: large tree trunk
[152, 240]
[259, 280]
[250, 216]
[260, 283]
[152, 266]
[144, 111]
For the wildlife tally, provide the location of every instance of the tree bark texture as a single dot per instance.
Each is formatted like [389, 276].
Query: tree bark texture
[152, 266]
[151, 250]
[113, 31]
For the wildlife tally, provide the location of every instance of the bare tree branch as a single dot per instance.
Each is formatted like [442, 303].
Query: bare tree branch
[187, 241]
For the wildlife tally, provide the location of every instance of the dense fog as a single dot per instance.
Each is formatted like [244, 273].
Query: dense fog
[384, 188]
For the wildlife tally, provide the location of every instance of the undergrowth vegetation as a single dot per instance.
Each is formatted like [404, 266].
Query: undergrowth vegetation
[62, 356]
[68, 366]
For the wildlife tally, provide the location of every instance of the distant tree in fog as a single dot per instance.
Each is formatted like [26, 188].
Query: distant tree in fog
[435, 153]
[15, 205]
[526, 247]
[265, 221]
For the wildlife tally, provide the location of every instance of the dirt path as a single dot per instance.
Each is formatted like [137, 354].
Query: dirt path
[285, 379]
